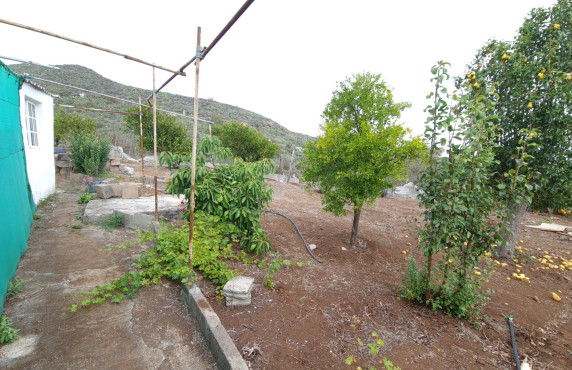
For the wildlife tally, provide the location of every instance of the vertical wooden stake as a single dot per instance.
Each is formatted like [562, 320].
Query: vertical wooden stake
[194, 152]
[141, 139]
[155, 145]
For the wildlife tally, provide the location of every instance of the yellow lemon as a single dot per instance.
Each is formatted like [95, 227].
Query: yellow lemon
[556, 297]
[540, 76]
[556, 26]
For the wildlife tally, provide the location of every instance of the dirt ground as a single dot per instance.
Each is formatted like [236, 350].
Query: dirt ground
[64, 258]
[305, 322]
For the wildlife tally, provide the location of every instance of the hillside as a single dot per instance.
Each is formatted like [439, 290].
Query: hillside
[111, 125]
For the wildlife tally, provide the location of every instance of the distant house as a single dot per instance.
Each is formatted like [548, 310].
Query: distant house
[37, 119]
[26, 165]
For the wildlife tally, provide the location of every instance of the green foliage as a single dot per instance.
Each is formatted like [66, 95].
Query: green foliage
[234, 192]
[84, 198]
[533, 79]
[7, 333]
[112, 222]
[172, 136]
[458, 199]
[68, 125]
[14, 287]
[272, 268]
[361, 148]
[169, 258]
[245, 142]
[89, 153]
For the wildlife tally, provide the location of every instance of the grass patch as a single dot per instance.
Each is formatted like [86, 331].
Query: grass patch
[85, 198]
[112, 221]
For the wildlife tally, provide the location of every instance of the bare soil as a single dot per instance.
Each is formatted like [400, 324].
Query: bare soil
[64, 257]
[306, 321]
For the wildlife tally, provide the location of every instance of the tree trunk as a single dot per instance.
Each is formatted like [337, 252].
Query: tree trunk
[353, 238]
[510, 232]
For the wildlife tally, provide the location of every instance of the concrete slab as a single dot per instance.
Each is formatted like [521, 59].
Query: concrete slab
[169, 207]
[222, 347]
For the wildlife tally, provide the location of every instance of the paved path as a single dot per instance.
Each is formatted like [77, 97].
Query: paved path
[151, 331]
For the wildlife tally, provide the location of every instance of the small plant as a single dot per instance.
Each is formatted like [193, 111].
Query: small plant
[112, 222]
[272, 268]
[77, 226]
[373, 349]
[37, 216]
[44, 202]
[7, 333]
[14, 287]
[85, 198]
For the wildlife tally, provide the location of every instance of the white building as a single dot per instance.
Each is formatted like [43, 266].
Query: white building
[37, 118]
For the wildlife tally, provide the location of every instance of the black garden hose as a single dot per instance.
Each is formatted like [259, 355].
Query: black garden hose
[514, 350]
[297, 230]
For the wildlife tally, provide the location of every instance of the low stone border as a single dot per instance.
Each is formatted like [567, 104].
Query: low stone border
[224, 351]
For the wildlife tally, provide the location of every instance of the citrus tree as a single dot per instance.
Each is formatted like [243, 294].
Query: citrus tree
[361, 146]
[533, 79]
[68, 125]
[245, 142]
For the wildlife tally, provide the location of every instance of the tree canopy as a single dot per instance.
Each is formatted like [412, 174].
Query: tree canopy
[361, 146]
[68, 125]
[532, 75]
[245, 142]
[172, 136]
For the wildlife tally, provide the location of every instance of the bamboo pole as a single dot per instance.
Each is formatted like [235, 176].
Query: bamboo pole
[141, 139]
[155, 146]
[90, 46]
[194, 151]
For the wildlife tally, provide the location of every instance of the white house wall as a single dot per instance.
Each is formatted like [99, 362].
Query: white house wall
[39, 160]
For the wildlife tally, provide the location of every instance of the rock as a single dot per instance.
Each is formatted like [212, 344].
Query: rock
[128, 170]
[111, 180]
[103, 191]
[64, 164]
[117, 189]
[344, 249]
[63, 157]
[238, 291]
[114, 162]
[312, 247]
[131, 191]
[408, 190]
[65, 171]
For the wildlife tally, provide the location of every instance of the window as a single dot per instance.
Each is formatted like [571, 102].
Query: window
[31, 124]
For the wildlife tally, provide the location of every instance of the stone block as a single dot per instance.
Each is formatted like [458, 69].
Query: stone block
[236, 302]
[128, 171]
[64, 164]
[65, 171]
[131, 191]
[238, 291]
[111, 180]
[63, 157]
[103, 191]
[114, 162]
[117, 189]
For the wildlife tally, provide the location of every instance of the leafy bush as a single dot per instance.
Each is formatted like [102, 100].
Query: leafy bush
[7, 333]
[245, 142]
[14, 287]
[89, 153]
[66, 126]
[234, 192]
[172, 136]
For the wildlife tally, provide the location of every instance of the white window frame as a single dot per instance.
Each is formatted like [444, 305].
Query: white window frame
[32, 123]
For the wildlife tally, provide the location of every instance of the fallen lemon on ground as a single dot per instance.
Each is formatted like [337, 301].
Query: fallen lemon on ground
[556, 297]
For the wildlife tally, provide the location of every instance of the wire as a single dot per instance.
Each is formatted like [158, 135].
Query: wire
[110, 96]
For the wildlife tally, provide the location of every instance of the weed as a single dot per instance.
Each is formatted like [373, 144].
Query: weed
[77, 226]
[7, 333]
[38, 216]
[272, 268]
[44, 202]
[14, 287]
[373, 349]
[85, 198]
[113, 221]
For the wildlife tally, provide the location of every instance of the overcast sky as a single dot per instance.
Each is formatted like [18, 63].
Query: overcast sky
[282, 59]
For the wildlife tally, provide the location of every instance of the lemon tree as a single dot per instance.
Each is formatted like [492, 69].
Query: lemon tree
[361, 146]
[533, 79]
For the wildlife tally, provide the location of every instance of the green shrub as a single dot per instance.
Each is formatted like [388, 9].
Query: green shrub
[14, 287]
[245, 142]
[89, 153]
[85, 198]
